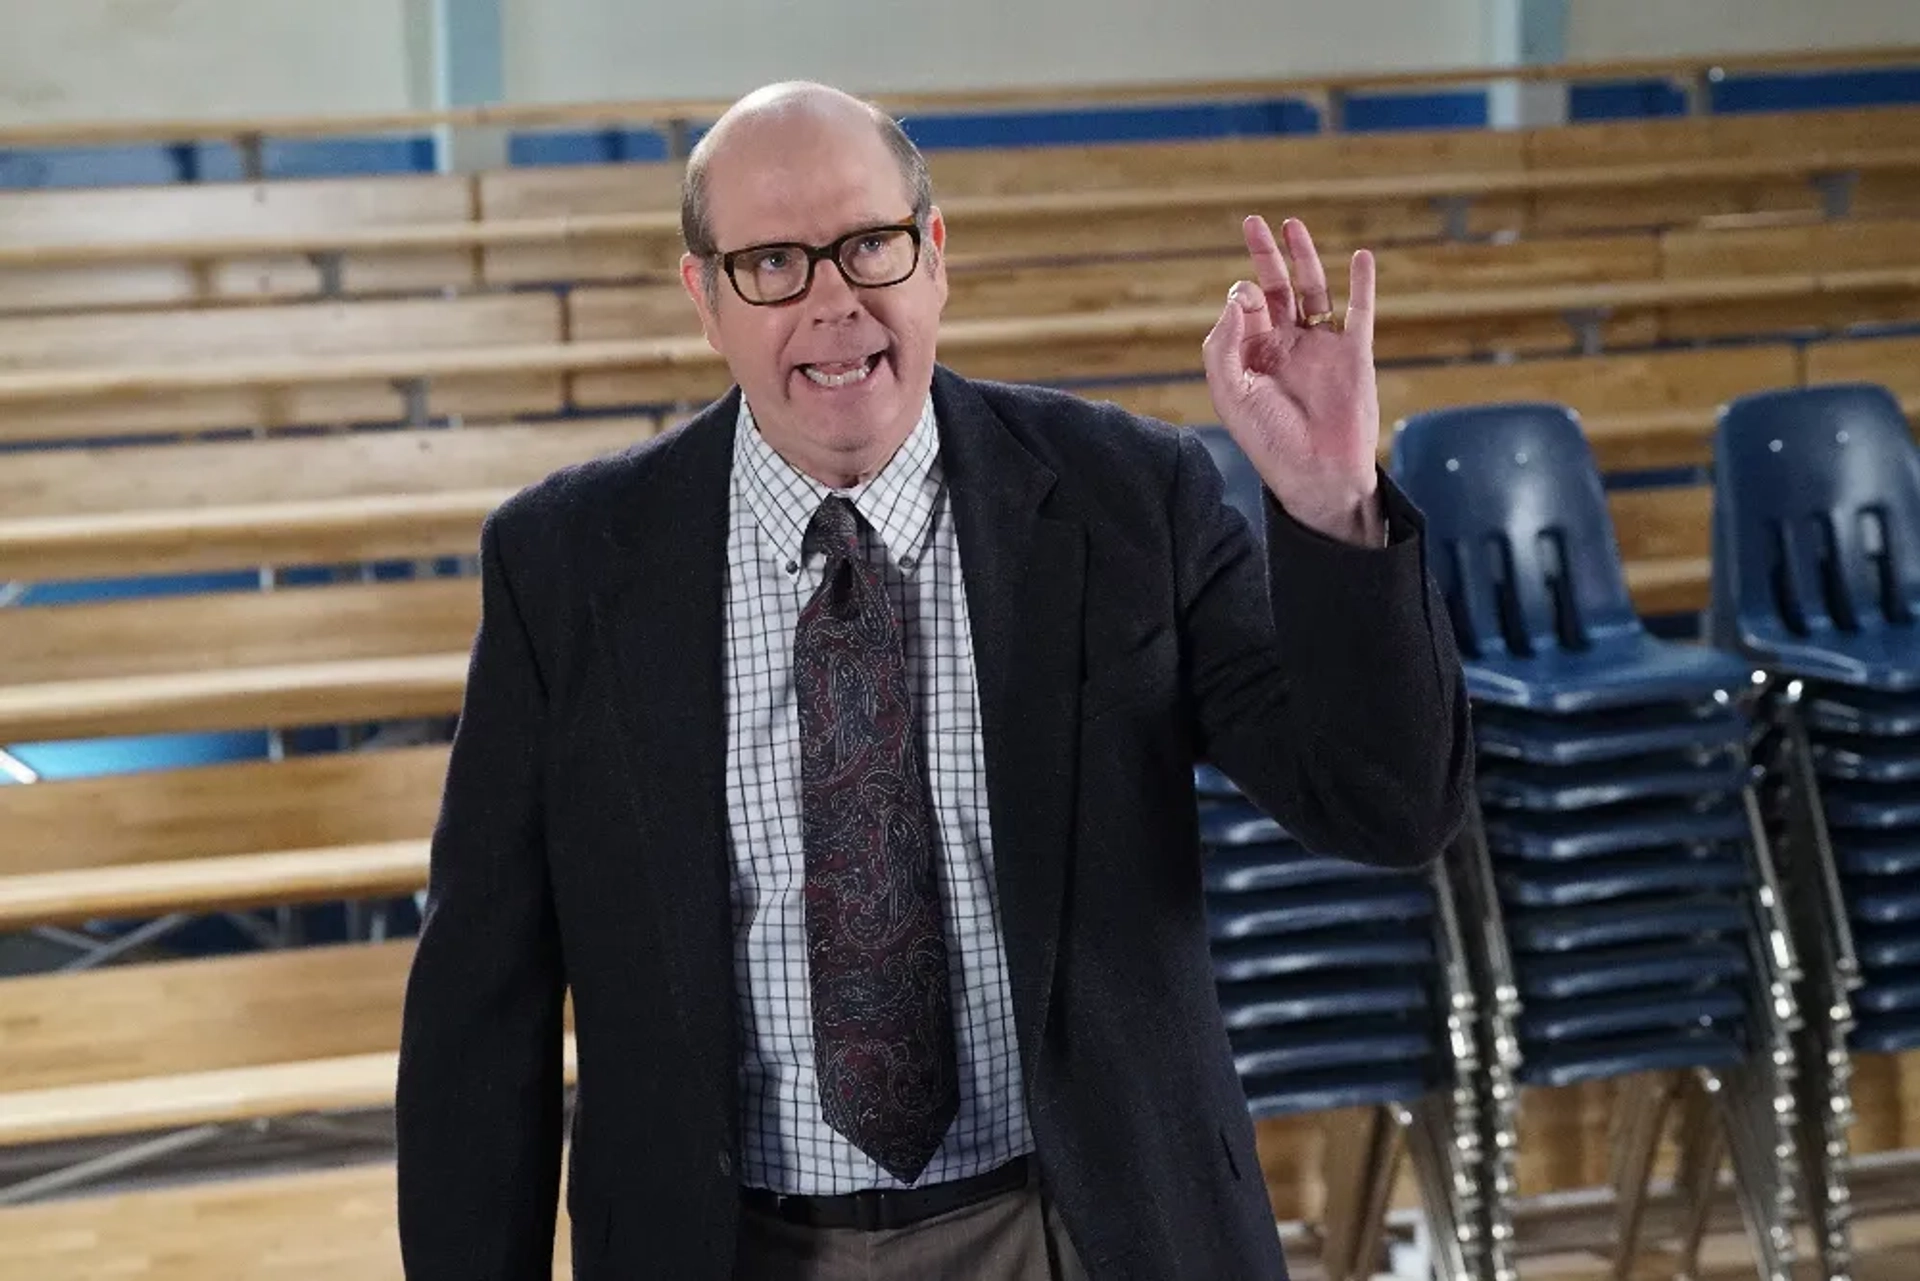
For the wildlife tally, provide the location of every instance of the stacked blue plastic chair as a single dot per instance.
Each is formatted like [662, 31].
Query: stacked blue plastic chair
[1344, 987]
[1638, 936]
[1817, 580]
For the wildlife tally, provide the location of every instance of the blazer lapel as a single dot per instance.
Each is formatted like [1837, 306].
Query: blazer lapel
[1025, 573]
[660, 616]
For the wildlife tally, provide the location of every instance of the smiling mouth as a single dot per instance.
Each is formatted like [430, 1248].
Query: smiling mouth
[842, 373]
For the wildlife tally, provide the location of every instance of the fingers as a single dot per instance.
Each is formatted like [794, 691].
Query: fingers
[1309, 277]
[1360, 295]
[1270, 267]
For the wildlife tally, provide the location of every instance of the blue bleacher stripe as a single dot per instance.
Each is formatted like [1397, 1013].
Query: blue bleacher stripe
[1368, 113]
[1889, 86]
[599, 147]
[1625, 100]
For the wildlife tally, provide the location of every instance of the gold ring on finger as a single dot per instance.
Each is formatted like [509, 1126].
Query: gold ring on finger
[1319, 318]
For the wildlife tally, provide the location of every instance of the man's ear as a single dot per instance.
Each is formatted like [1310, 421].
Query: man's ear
[937, 251]
[693, 280]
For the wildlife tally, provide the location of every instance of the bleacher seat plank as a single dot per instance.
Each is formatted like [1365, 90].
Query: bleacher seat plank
[173, 1043]
[100, 822]
[206, 211]
[131, 1023]
[1640, 410]
[618, 371]
[1891, 362]
[353, 496]
[1688, 144]
[1145, 165]
[177, 1100]
[332, 825]
[79, 345]
[143, 891]
[322, 1225]
[521, 192]
[233, 660]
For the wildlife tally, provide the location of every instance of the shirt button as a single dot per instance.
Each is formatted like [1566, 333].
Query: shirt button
[793, 567]
[726, 1165]
[906, 562]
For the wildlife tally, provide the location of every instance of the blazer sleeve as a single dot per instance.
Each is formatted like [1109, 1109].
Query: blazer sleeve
[1326, 683]
[479, 1094]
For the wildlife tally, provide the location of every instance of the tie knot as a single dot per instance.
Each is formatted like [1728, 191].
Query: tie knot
[835, 528]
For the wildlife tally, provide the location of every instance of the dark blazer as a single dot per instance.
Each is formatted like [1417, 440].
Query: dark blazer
[1124, 628]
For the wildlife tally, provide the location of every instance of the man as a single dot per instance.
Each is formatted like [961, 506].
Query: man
[835, 751]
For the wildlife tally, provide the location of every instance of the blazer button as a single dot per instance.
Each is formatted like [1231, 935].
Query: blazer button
[726, 1165]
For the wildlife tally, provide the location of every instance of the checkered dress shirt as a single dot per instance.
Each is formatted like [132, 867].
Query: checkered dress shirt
[907, 528]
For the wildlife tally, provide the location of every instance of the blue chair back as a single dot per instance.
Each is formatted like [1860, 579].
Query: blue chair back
[1816, 514]
[1521, 541]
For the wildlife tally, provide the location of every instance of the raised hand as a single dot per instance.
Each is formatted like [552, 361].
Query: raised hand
[1294, 384]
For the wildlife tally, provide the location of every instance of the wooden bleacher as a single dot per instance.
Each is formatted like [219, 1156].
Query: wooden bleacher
[316, 655]
[331, 826]
[216, 1042]
[291, 500]
[248, 242]
[166, 1044]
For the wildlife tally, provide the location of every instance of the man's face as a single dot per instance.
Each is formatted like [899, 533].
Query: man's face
[836, 378]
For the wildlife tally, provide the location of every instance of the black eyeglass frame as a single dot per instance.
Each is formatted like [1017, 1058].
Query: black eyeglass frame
[815, 255]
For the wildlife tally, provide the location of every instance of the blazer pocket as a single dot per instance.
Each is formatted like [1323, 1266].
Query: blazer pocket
[1133, 677]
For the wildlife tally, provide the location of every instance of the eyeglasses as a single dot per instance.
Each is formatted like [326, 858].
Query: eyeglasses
[871, 258]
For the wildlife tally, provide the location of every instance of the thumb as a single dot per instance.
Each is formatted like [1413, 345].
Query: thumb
[1223, 351]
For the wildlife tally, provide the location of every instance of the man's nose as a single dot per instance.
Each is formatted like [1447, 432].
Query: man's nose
[831, 299]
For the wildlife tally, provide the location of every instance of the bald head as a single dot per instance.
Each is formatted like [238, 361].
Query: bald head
[784, 117]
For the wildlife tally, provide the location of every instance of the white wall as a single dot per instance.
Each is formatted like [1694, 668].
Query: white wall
[578, 50]
[1659, 28]
[121, 59]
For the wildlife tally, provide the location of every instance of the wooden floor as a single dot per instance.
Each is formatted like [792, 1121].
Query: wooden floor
[332, 1225]
[337, 1225]
[1886, 1249]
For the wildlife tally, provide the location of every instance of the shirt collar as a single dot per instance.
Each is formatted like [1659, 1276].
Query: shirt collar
[898, 502]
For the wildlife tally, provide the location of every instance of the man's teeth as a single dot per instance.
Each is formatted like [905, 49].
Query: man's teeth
[840, 374]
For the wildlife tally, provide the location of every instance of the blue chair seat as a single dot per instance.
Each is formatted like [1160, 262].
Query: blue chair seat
[1617, 924]
[1239, 822]
[1534, 885]
[1623, 669]
[1832, 709]
[1553, 788]
[1297, 1094]
[1611, 735]
[1342, 948]
[1330, 996]
[1886, 659]
[1597, 972]
[1269, 1051]
[1883, 948]
[1866, 759]
[1557, 837]
[1888, 992]
[1595, 1017]
[1886, 1034]
[1870, 805]
[1240, 869]
[1877, 853]
[1897, 902]
[1317, 908]
[1581, 1061]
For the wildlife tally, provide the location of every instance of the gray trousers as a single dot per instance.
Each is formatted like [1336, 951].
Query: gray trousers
[1015, 1236]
